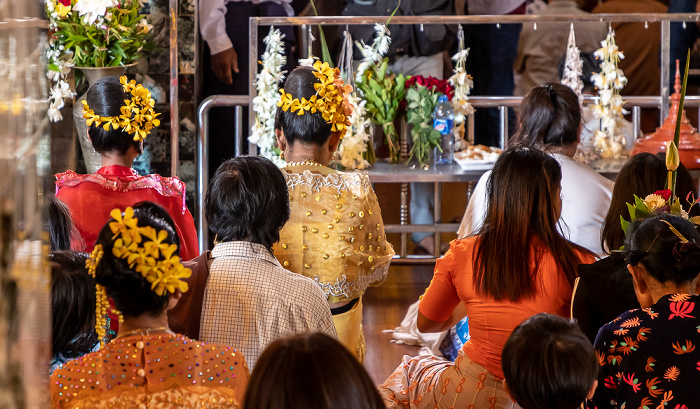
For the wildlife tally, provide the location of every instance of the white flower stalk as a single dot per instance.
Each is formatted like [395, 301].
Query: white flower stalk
[265, 103]
[91, 10]
[374, 53]
[609, 140]
[573, 66]
[462, 83]
[354, 144]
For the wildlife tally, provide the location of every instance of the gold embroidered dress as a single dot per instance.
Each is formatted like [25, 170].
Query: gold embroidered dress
[152, 371]
[335, 236]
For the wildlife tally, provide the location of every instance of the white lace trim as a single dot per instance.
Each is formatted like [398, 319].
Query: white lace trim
[342, 288]
[340, 181]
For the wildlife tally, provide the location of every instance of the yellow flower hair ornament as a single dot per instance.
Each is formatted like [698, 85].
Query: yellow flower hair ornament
[144, 251]
[137, 115]
[101, 302]
[330, 98]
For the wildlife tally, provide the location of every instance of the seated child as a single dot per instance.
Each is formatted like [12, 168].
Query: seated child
[549, 363]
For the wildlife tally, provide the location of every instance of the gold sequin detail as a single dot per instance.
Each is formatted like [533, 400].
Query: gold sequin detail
[379, 238]
[326, 256]
[351, 228]
[354, 197]
[318, 198]
[284, 246]
[303, 228]
[370, 259]
[304, 247]
[314, 230]
[323, 211]
[303, 194]
[362, 214]
[351, 214]
[378, 249]
[369, 236]
[361, 227]
[308, 213]
[378, 226]
[369, 211]
[330, 227]
[337, 196]
[338, 206]
[337, 220]
[326, 235]
[362, 248]
[340, 238]
[286, 263]
[307, 265]
[342, 255]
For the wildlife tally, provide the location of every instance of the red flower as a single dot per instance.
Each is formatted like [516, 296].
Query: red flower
[682, 309]
[665, 193]
[610, 382]
[64, 2]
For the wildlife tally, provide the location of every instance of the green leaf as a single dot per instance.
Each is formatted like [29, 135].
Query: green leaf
[625, 224]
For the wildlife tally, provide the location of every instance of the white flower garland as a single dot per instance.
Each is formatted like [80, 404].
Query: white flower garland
[265, 103]
[354, 144]
[609, 141]
[463, 83]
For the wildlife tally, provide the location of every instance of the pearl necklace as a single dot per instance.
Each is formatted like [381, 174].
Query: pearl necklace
[306, 162]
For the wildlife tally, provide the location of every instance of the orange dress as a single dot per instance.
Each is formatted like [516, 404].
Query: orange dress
[152, 371]
[91, 197]
[476, 375]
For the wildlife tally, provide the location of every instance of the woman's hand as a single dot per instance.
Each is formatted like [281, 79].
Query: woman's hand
[425, 324]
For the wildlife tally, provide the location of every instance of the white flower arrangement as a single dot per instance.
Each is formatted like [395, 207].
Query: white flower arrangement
[372, 54]
[573, 65]
[265, 103]
[354, 144]
[609, 141]
[462, 83]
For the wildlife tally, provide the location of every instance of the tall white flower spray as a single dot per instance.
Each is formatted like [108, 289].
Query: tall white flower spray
[463, 83]
[267, 83]
[609, 139]
[353, 147]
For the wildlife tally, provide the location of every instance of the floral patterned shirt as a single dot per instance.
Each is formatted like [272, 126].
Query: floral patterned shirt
[648, 357]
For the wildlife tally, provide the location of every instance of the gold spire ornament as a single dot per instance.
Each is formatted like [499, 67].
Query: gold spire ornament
[137, 114]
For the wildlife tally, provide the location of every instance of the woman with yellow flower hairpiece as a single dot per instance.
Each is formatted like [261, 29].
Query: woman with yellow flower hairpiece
[335, 234]
[136, 263]
[120, 115]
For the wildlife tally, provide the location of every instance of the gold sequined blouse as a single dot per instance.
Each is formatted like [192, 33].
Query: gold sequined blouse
[335, 234]
[152, 371]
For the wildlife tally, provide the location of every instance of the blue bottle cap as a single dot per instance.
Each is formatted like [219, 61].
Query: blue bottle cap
[442, 98]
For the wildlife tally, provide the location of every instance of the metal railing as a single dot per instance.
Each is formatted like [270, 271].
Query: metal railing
[237, 101]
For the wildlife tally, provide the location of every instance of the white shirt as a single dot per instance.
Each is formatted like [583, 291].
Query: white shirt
[585, 197]
[212, 21]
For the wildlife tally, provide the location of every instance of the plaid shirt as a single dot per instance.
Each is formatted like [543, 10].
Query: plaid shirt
[250, 300]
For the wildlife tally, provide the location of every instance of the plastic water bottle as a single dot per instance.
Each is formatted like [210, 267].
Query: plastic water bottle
[443, 122]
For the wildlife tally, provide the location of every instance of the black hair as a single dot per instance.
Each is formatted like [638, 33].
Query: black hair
[131, 292]
[308, 128]
[60, 225]
[106, 97]
[642, 174]
[652, 243]
[72, 305]
[294, 373]
[247, 200]
[550, 115]
[548, 363]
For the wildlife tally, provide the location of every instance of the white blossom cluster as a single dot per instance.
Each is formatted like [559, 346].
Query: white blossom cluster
[609, 140]
[354, 144]
[372, 54]
[463, 83]
[265, 103]
[92, 10]
[59, 64]
[573, 65]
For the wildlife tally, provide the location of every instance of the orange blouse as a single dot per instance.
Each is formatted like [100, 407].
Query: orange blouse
[149, 371]
[490, 321]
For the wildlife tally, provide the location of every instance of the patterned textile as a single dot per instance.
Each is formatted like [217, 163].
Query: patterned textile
[648, 357]
[335, 234]
[152, 371]
[250, 300]
[91, 197]
[432, 382]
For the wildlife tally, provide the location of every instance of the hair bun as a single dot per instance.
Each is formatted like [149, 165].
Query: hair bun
[687, 259]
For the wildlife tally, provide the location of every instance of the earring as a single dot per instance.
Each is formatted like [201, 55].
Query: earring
[282, 155]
